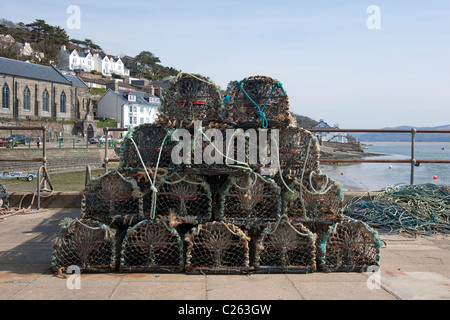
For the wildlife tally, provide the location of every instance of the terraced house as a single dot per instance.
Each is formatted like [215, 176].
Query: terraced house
[38, 92]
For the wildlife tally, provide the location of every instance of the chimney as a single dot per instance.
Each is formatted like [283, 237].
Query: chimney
[113, 85]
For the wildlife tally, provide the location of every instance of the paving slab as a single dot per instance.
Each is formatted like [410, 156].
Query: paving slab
[410, 269]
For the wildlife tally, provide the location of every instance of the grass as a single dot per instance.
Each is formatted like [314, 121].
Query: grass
[68, 181]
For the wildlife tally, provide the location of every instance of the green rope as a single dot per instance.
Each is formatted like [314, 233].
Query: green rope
[260, 110]
[415, 209]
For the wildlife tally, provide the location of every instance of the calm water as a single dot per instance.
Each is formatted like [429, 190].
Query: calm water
[376, 176]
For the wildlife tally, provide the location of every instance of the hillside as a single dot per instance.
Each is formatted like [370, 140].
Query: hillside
[406, 137]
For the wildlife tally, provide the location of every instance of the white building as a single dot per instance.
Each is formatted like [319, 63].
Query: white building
[329, 136]
[86, 61]
[109, 65]
[128, 108]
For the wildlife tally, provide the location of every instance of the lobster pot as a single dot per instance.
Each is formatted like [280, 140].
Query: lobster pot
[187, 197]
[85, 243]
[3, 196]
[298, 151]
[319, 199]
[217, 247]
[151, 144]
[250, 199]
[152, 246]
[110, 197]
[350, 245]
[259, 93]
[192, 97]
[285, 247]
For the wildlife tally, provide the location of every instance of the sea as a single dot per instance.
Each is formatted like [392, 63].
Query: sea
[377, 176]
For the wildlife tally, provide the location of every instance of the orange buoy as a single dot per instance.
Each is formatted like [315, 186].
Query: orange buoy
[435, 177]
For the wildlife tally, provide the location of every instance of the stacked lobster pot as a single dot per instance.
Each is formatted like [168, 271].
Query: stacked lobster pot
[217, 185]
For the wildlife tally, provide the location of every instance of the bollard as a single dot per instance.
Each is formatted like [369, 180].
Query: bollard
[74, 143]
[29, 143]
[60, 143]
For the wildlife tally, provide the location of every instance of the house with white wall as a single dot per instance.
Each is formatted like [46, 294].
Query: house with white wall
[86, 61]
[329, 136]
[128, 107]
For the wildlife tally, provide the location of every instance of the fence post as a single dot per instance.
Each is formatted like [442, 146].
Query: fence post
[413, 153]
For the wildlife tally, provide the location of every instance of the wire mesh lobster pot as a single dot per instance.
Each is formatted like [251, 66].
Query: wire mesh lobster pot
[191, 97]
[217, 247]
[152, 246]
[112, 197]
[350, 245]
[285, 247]
[298, 151]
[3, 195]
[319, 198]
[85, 243]
[249, 199]
[188, 197]
[151, 144]
[257, 99]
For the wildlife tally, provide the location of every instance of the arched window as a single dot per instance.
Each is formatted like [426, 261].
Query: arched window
[62, 107]
[5, 97]
[26, 99]
[45, 101]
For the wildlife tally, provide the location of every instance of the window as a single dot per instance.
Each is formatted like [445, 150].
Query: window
[45, 101]
[130, 115]
[141, 120]
[26, 99]
[5, 97]
[62, 107]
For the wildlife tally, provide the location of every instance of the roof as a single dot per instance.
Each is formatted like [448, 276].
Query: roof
[322, 124]
[76, 81]
[141, 97]
[32, 71]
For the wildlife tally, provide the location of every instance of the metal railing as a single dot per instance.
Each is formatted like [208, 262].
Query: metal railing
[106, 133]
[43, 159]
[413, 161]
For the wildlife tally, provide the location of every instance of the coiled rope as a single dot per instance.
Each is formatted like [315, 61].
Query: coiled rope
[416, 209]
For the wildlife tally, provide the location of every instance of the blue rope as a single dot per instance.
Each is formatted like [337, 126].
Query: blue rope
[260, 111]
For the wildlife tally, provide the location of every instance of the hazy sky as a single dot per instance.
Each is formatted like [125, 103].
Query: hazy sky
[331, 64]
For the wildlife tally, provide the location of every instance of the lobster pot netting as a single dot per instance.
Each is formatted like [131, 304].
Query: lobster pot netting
[286, 247]
[256, 99]
[112, 196]
[187, 197]
[217, 247]
[3, 195]
[350, 245]
[151, 144]
[152, 246]
[298, 151]
[191, 97]
[86, 243]
[250, 199]
[318, 198]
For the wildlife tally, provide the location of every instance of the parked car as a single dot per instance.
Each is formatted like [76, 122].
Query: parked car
[17, 139]
[93, 140]
[99, 138]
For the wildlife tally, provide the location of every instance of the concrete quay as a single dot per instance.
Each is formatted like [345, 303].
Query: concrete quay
[410, 269]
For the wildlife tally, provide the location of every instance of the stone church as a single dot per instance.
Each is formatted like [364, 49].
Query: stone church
[36, 92]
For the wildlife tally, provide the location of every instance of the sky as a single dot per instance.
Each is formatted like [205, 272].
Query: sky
[337, 60]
